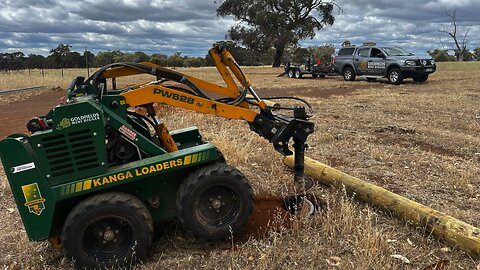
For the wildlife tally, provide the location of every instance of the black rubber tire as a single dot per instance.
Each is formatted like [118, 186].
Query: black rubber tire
[370, 79]
[315, 75]
[221, 157]
[348, 74]
[298, 74]
[420, 78]
[113, 214]
[322, 76]
[291, 73]
[214, 202]
[395, 76]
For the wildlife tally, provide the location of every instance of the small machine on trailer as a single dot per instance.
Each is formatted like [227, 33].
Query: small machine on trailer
[320, 70]
[94, 178]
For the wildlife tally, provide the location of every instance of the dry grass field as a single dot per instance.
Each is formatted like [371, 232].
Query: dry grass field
[421, 141]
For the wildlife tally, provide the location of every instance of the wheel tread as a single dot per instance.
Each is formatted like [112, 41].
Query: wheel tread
[202, 173]
[116, 198]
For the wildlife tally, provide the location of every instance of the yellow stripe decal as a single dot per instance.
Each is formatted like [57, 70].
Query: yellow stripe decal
[87, 184]
[78, 187]
[187, 160]
[194, 158]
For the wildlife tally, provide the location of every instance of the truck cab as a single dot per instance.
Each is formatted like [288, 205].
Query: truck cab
[372, 62]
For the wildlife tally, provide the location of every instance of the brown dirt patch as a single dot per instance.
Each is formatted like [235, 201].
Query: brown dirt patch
[268, 214]
[408, 142]
[311, 91]
[16, 114]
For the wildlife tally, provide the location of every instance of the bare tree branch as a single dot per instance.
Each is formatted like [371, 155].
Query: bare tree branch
[461, 47]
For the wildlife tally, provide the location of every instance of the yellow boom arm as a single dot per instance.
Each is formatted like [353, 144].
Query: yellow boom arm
[231, 101]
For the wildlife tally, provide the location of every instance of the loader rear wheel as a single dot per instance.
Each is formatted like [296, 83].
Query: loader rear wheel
[108, 229]
[214, 202]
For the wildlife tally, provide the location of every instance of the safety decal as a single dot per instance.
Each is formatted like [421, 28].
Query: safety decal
[33, 199]
[128, 132]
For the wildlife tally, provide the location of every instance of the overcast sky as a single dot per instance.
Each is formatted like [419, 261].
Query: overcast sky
[191, 26]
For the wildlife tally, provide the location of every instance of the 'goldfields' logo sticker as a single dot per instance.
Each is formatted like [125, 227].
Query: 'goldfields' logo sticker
[65, 123]
[68, 122]
[33, 199]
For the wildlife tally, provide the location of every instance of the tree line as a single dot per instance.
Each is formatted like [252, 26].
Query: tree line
[63, 57]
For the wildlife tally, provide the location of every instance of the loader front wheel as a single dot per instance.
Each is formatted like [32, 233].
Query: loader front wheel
[108, 229]
[214, 202]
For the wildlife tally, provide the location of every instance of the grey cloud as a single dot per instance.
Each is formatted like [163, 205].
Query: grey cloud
[191, 26]
[133, 10]
[409, 23]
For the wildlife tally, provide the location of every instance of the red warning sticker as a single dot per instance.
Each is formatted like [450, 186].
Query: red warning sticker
[128, 132]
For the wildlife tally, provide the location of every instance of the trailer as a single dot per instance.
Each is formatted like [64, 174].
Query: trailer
[320, 70]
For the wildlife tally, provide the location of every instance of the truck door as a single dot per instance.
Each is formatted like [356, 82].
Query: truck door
[360, 60]
[376, 62]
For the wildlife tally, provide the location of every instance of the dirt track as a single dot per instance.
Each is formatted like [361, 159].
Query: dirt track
[16, 114]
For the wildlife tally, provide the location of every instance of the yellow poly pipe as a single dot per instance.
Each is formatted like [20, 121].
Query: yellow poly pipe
[449, 229]
[267, 102]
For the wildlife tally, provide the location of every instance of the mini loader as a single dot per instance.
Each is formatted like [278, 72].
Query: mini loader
[95, 176]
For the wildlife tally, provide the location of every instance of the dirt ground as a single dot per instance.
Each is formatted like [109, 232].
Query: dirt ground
[418, 140]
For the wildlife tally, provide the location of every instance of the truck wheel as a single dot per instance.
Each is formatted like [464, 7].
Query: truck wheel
[298, 74]
[420, 78]
[290, 73]
[395, 76]
[214, 202]
[106, 230]
[348, 74]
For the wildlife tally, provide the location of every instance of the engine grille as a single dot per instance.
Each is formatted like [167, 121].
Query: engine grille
[70, 152]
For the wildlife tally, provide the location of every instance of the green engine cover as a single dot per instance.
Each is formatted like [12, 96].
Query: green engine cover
[75, 146]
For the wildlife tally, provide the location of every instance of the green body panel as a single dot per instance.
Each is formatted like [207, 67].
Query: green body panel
[33, 194]
[75, 146]
[50, 171]
[136, 170]
[154, 180]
